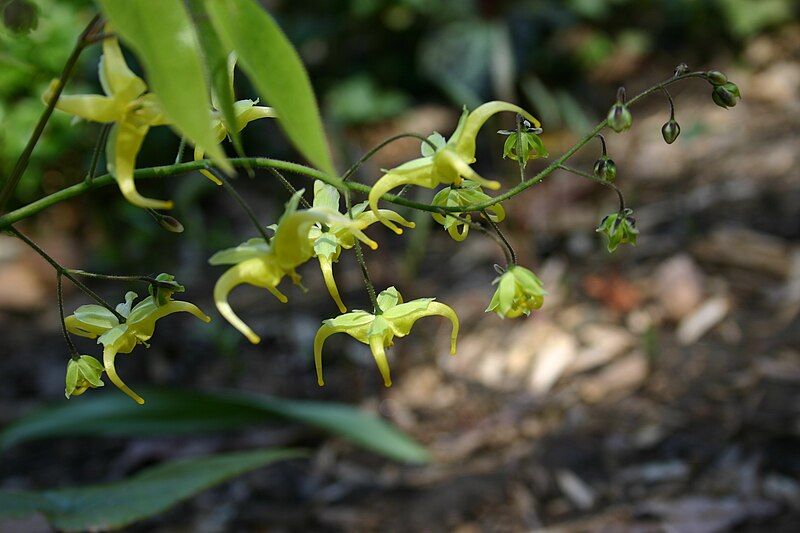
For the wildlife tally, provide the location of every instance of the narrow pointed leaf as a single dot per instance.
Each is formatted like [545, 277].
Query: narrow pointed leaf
[172, 412]
[216, 59]
[162, 35]
[152, 491]
[276, 70]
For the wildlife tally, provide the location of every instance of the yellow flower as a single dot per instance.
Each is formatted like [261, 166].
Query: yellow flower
[449, 163]
[97, 322]
[83, 373]
[519, 291]
[265, 264]
[469, 193]
[378, 331]
[131, 109]
[329, 240]
[246, 111]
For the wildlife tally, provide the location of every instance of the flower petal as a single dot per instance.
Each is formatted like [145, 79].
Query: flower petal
[376, 345]
[327, 274]
[123, 146]
[109, 355]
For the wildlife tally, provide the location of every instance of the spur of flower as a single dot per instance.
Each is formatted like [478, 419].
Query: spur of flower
[379, 330]
[449, 162]
[519, 291]
[246, 111]
[469, 193]
[618, 228]
[97, 322]
[329, 240]
[129, 107]
[83, 373]
[265, 264]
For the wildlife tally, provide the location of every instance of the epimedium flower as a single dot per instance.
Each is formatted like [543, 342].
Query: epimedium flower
[330, 239]
[83, 373]
[519, 291]
[129, 107]
[449, 163]
[618, 228]
[527, 141]
[468, 193]
[97, 322]
[246, 111]
[265, 264]
[378, 331]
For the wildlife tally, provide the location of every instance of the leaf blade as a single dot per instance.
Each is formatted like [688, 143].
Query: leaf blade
[174, 412]
[162, 35]
[275, 68]
[152, 491]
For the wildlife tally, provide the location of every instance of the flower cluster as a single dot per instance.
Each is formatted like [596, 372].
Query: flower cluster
[97, 322]
[296, 240]
[449, 162]
[519, 291]
[132, 111]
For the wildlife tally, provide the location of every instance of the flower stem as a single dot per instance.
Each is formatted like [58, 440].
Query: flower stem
[261, 162]
[62, 271]
[366, 157]
[241, 201]
[73, 352]
[98, 149]
[289, 187]
[600, 181]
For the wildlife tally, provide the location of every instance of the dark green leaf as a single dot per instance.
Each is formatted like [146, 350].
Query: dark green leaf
[216, 58]
[277, 72]
[152, 491]
[172, 412]
[162, 35]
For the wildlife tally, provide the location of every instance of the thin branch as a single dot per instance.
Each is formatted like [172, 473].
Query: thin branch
[289, 187]
[600, 181]
[261, 162]
[66, 273]
[367, 156]
[73, 351]
[241, 201]
[99, 146]
[22, 163]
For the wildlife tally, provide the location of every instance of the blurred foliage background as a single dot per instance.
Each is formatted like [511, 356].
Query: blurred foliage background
[380, 67]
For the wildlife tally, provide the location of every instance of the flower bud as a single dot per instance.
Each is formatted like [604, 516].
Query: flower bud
[519, 291]
[163, 291]
[619, 117]
[20, 16]
[618, 228]
[716, 77]
[726, 95]
[670, 131]
[605, 169]
[82, 374]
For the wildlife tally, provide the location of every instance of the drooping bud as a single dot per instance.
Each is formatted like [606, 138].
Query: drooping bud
[619, 117]
[670, 131]
[163, 291]
[716, 77]
[726, 95]
[170, 224]
[83, 373]
[618, 228]
[20, 16]
[605, 169]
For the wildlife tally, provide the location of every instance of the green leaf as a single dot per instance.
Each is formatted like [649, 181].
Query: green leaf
[172, 412]
[276, 70]
[152, 491]
[220, 72]
[162, 35]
